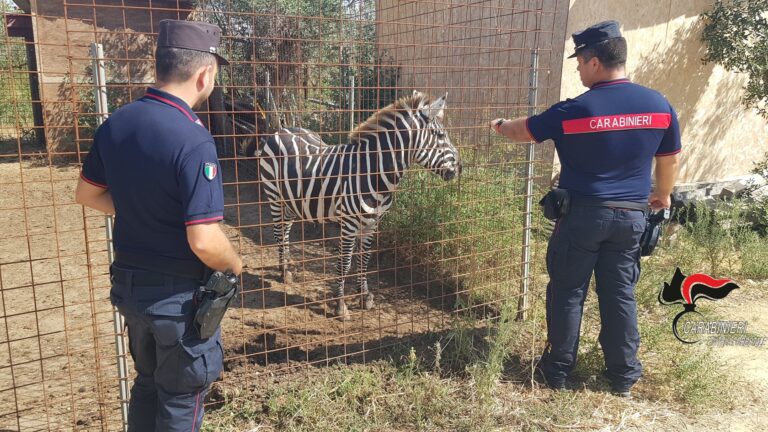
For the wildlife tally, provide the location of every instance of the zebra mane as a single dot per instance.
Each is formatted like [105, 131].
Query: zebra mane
[381, 119]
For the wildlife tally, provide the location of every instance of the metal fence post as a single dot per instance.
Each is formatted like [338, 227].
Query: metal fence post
[102, 108]
[522, 306]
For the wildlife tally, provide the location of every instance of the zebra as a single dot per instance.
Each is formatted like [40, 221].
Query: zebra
[352, 184]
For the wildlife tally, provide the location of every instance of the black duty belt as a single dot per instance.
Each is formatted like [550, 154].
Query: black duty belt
[139, 277]
[164, 265]
[583, 201]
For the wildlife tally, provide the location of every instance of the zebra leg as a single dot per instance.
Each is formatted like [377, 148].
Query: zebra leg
[282, 230]
[346, 247]
[366, 298]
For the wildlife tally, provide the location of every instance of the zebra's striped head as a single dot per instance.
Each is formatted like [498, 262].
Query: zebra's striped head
[432, 147]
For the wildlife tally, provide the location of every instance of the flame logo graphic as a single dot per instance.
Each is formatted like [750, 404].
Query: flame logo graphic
[686, 290]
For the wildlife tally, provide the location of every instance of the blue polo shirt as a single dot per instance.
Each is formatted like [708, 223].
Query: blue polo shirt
[607, 138]
[160, 165]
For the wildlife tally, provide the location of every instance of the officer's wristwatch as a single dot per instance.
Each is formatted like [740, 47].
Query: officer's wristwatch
[498, 124]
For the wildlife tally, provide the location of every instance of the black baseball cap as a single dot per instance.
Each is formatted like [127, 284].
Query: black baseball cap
[594, 35]
[191, 35]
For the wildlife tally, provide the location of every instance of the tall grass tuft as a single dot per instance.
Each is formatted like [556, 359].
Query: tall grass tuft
[754, 256]
[469, 229]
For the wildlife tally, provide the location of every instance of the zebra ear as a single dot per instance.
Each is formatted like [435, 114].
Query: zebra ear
[436, 108]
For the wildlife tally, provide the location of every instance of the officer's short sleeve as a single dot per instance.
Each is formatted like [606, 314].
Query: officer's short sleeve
[549, 124]
[93, 166]
[670, 143]
[200, 185]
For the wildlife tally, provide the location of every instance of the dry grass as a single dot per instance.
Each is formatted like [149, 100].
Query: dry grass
[479, 380]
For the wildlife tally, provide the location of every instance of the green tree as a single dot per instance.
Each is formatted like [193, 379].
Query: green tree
[15, 100]
[319, 58]
[736, 36]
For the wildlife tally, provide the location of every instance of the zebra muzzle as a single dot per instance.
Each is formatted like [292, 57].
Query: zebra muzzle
[450, 172]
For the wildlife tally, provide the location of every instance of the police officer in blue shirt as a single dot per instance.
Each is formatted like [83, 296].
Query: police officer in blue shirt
[154, 166]
[607, 139]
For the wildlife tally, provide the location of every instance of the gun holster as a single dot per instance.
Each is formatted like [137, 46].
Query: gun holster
[213, 300]
[556, 204]
[652, 233]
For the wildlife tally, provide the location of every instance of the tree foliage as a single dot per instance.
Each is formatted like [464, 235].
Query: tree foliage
[15, 107]
[306, 52]
[736, 36]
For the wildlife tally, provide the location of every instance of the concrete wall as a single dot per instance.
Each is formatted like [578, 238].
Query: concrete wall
[721, 139]
[480, 53]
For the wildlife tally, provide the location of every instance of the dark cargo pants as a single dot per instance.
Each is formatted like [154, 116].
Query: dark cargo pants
[174, 366]
[605, 241]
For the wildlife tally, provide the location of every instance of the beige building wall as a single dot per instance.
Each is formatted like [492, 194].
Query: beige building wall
[721, 138]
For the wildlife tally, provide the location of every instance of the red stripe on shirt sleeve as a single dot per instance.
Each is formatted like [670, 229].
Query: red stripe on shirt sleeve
[85, 179]
[670, 153]
[210, 219]
[527, 129]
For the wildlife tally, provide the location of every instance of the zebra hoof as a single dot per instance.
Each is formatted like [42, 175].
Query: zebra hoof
[367, 302]
[341, 310]
[287, 278]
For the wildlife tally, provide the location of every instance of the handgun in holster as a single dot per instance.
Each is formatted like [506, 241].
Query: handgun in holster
[652, 233]
[556, 204]
[213, 300]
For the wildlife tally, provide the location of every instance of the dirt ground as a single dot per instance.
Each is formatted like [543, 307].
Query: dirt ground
[57, 358]
[748, 363]
[278, 327]
[57, 334]
[749, 376]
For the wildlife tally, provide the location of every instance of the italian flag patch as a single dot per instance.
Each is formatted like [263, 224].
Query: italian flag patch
[210, 170]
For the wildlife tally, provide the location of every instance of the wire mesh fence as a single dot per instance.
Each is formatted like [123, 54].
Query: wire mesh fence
[444, 248]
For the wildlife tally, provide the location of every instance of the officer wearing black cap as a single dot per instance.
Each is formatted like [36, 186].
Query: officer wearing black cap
[607, 140]
[154, 166]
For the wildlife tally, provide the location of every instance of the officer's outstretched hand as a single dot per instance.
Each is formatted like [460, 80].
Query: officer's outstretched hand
[659, 201]
[495, 124]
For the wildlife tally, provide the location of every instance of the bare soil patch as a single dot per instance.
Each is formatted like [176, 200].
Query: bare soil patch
[58, 367]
